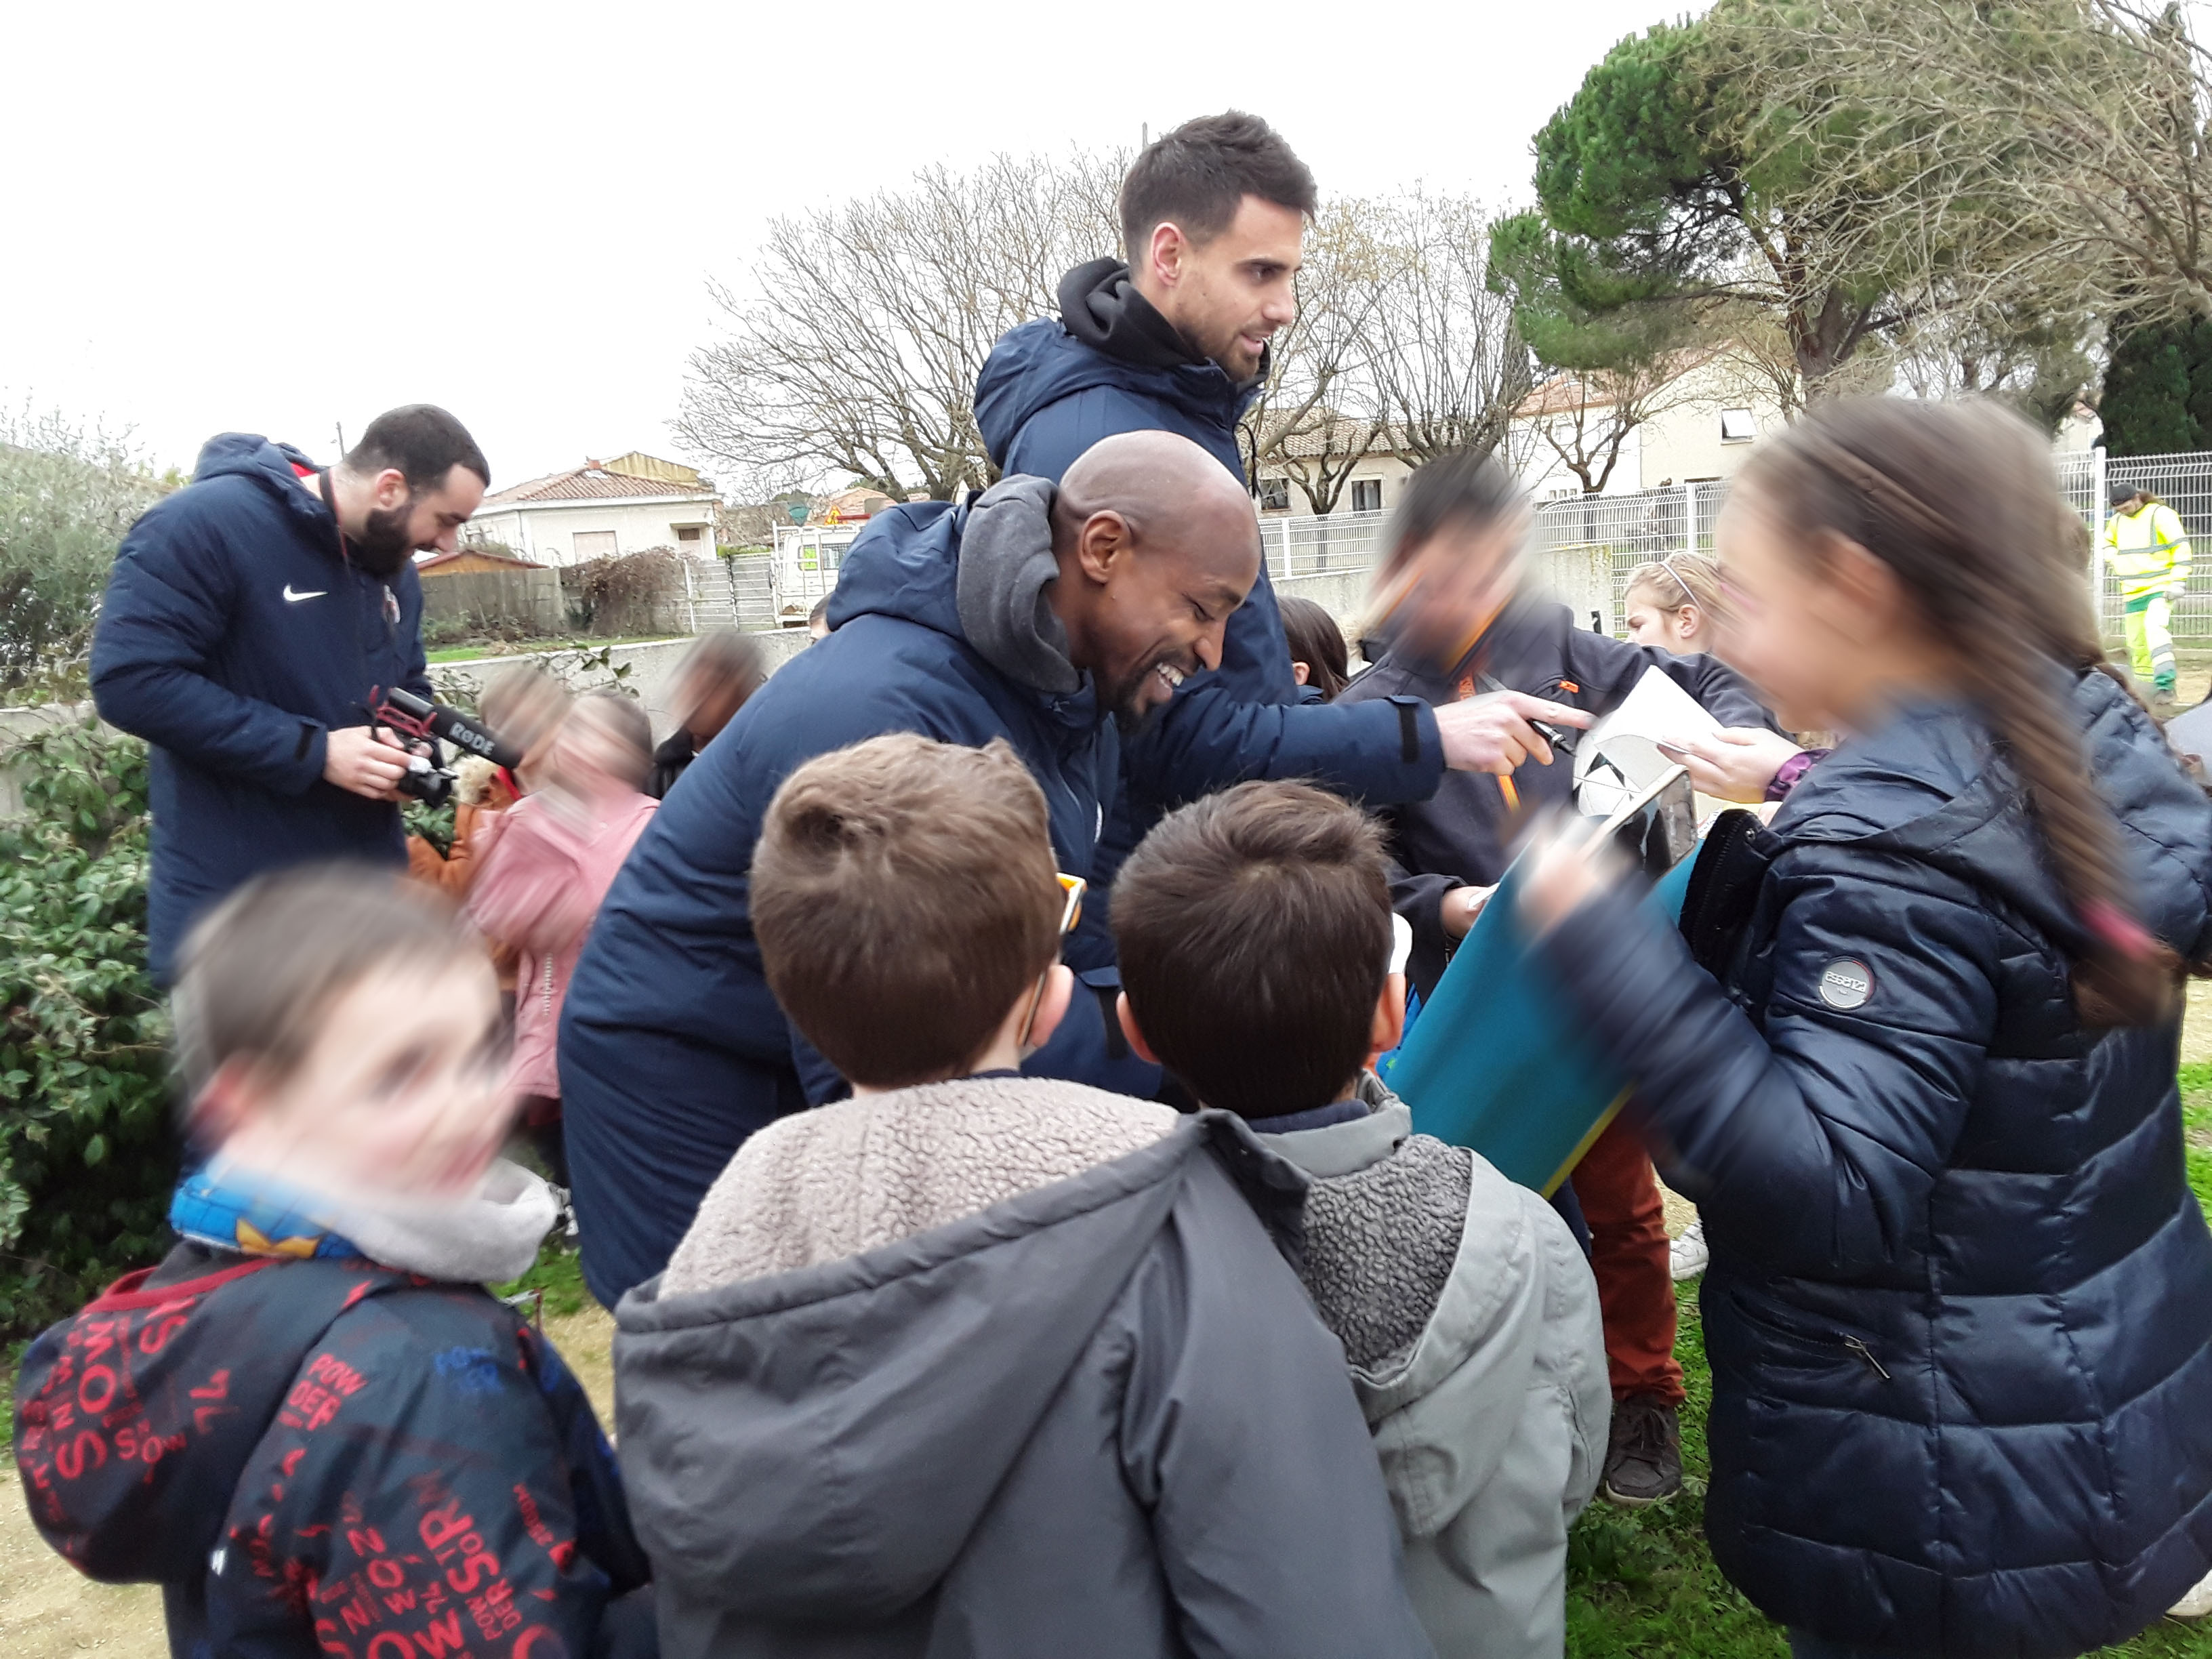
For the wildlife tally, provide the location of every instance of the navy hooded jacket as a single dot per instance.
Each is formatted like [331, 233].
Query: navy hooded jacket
[673, 1047]
[234, 637]
[1050, 390]
[329, 1456]
[1959, 1306]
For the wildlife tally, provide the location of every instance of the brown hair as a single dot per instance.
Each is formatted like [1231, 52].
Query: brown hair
[261, 968]
[1961, 502]
[1254, 932]
[904, 898]
[1197, 175]
[1678, 580]
[1315, 640]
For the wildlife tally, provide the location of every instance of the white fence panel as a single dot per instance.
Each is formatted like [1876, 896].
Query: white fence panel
[1584, 546]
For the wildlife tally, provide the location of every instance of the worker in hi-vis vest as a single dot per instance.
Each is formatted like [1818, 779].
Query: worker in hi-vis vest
[2149, 553]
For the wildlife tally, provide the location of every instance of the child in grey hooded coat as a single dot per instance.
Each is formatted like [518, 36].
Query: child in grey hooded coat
[1256, 948]
[972, 1362]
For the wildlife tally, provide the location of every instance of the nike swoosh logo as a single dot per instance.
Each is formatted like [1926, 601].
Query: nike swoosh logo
[294, 599]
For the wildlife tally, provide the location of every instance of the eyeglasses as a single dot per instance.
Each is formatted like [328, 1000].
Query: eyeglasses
[1071, 913]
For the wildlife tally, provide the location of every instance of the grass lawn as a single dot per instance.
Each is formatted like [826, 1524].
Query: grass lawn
[1641, 1583]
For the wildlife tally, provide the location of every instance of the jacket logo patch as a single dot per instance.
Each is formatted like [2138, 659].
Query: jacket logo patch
[1846, 984]
[290, 598]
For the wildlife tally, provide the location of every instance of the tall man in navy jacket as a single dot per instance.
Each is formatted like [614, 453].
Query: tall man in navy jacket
[1212, 216]
[247, 621]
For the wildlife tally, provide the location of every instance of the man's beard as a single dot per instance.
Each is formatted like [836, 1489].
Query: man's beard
[382, 548]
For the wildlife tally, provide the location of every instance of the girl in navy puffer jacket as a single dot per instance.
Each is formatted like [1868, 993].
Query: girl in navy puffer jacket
[1959, 1308]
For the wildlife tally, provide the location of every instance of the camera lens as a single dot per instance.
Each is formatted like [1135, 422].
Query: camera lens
[432, 786]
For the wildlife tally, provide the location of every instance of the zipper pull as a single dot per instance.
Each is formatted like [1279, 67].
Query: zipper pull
[1860, 1348]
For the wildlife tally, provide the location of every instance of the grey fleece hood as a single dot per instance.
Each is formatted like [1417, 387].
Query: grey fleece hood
[1006, 567]
[819, 1445]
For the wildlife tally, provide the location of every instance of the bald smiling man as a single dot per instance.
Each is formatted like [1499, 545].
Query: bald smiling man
[1036, 614]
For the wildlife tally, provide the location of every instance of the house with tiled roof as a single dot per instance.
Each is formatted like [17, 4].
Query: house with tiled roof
[1694, 422]
[1329, 463]
[600, 509]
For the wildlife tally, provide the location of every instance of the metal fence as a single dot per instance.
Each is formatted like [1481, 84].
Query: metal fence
[1587, 545]
[1584, 547]
[1325, 546]
[761, 590]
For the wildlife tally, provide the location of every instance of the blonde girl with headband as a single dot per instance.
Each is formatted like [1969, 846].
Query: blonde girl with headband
[1959, 1305]
[1674, 603]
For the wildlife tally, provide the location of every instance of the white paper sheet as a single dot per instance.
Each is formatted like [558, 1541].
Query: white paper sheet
[1618, 758]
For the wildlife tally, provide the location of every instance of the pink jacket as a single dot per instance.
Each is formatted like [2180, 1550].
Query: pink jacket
[537, 887]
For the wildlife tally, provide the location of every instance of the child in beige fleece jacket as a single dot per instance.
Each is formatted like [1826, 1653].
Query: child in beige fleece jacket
[975, 1360]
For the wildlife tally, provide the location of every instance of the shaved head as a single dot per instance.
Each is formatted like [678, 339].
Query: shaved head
[1159, 482]
[1157, 543]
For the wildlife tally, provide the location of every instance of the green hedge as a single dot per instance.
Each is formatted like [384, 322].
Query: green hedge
[87, 1153]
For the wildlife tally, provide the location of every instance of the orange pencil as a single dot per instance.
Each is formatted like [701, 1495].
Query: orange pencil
[1512, 795]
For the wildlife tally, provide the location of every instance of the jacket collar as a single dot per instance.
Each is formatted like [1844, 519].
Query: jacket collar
[1341, 1149]
[1101, 306]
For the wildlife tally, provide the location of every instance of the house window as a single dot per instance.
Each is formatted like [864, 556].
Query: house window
[1738, 426]
[688, 533]
[1367, 494]
[594, 544]
[1275, 495]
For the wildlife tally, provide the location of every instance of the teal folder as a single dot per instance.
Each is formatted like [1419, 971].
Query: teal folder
[1499, 1060]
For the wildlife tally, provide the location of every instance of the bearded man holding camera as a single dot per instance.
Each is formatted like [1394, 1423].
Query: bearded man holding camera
[250, 620]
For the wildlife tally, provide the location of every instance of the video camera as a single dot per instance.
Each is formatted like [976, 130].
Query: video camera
[428, 779]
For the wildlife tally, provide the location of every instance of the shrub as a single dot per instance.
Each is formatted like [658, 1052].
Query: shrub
[87, 1153]
[628, 593]
[67, 497]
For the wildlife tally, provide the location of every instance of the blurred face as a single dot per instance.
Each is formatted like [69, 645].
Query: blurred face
[1453, 585]
[403, 1090]
[713, 701]
[1158, 615]
[1790, 632]
[1230, 297]
[1679, 630]
[592, 754]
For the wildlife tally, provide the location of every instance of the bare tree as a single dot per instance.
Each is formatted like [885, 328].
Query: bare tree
[853, 341]
[1586, 420]
[1321, 414]
[2042, 158]
[1447, 366]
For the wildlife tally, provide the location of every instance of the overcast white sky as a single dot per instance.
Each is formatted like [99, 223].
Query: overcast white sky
[278, 220]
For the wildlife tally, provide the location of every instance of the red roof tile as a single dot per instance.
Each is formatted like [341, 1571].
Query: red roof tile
[585, 484]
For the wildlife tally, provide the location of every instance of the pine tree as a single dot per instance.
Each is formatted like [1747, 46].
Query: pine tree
[2146, 401]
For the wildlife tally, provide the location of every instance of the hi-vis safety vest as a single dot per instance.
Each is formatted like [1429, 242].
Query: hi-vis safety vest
[2150, 551]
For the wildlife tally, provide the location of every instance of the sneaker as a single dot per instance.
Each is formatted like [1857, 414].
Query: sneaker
[2163, 702]
[2197, 1604]
[1644, 1458]
[1687, 1256]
